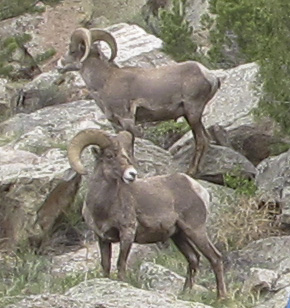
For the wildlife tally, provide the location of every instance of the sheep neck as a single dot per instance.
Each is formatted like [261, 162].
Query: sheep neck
[95, 73]
[103, 193]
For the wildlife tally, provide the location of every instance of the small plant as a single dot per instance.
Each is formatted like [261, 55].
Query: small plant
[8, 48]
[176, 32]
[241, 184]
[171, 258]
[45, 55]
[166, 133]
[234, 300]
[13, 8]
[24, 273]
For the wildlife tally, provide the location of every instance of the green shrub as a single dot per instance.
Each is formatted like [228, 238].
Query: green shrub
[240, 183]
[13, 8]
[45, 55]
[8, 46]
[176, 32]
[164, 134]
[261, 30]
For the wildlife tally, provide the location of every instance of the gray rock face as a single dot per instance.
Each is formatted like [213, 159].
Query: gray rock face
[280, 299]
[218, 161]
[157, 278]
[105, 293]
[116, 294]
[273, 180]
[271, 253]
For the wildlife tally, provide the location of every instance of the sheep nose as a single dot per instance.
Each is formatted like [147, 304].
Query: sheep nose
[130, 175]
[133, 174]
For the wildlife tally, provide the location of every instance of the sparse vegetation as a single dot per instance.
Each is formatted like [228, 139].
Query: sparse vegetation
[164, 134]
[12, 8]
[25, 273]
[172, 259]
[247, 221]
[12, 49]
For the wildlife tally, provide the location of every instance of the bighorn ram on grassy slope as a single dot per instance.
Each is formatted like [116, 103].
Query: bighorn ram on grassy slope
[121, 208]
[132, 95]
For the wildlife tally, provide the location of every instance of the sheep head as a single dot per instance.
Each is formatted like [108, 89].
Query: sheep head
[82, 46]
[116, 156]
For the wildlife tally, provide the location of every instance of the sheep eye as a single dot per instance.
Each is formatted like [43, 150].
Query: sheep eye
[109, 155]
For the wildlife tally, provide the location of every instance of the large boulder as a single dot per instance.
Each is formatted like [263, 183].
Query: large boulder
[105, 293]
[271, 253]
[273, 182]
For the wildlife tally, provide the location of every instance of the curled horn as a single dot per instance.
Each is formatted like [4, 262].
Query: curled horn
[81, 35]
[84, 138]
[101, 35]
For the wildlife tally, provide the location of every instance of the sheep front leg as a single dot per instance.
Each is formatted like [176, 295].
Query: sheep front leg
[130, 126]
[126, 241]
[106, 254]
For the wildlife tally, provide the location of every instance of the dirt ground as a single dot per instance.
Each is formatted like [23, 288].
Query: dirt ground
[61, 20]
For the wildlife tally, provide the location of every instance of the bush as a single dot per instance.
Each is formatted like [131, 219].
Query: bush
[242, 185]
[176, 32]
[164, 134]
[261, 30]
[13, 8]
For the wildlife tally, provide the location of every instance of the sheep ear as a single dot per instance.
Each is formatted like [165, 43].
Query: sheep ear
[96, 152]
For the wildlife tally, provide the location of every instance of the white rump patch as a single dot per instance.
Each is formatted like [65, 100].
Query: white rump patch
[201, 192]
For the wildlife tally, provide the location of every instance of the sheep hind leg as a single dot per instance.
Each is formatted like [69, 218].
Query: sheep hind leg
[192, 256]
[204, 245]
[201, 143]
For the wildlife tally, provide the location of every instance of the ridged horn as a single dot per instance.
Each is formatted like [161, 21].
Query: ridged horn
[81, 35]
[101, 35]
[90, 136]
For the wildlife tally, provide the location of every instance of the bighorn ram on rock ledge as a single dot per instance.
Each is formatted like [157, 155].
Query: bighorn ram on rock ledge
[121, 208]
[132, 95]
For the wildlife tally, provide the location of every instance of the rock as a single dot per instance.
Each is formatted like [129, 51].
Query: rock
[118, 294]
[88, 258]
[271, 253]
[27, 187]
[5, 110]
[217, 162]
[155, 277]
[273, 178]
[105, 293]
[278, 300]
[260, 280]
[135, 46]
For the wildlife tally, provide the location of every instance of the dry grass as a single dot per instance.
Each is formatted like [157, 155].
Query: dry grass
[248, 221]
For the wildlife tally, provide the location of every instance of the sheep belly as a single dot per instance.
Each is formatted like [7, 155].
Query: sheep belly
[155, 232]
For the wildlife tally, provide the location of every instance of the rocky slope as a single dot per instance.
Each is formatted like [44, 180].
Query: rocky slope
[37, 187]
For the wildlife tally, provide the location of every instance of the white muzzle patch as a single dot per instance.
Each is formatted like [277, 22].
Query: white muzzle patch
[130, 175]
[59, 64]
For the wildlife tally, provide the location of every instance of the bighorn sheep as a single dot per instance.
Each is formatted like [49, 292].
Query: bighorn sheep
[121, 208]
[132, 95]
